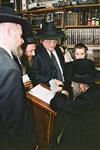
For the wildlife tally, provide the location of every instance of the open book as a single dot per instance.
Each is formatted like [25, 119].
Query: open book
[42, 93]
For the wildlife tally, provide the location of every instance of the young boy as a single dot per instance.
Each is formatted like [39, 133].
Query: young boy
[80, 51]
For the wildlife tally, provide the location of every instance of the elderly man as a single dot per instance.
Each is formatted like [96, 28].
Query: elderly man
[49, 61]
[17, 128]
[81, 128]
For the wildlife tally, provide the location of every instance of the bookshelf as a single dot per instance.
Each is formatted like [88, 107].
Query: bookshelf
[82, 25]
[38, 16]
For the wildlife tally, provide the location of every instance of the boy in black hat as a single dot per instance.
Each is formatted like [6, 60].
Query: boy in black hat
[17, 128]
[81, 128]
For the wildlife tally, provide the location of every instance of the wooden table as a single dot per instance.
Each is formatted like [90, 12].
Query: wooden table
[44, 117]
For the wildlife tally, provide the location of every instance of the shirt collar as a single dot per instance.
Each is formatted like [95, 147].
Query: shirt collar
[49, 52]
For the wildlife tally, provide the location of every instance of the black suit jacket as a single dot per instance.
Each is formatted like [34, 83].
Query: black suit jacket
[17, 128]
[82, 122]
[43, 69]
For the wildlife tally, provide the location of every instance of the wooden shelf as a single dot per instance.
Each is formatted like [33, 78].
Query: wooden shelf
[55, 9]
[83, 6]
[82, 26]
[97, 65]
[43, 10]
[90, 46]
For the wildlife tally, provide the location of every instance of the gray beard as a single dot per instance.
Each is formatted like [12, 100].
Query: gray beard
[76, 94]
[76, 91]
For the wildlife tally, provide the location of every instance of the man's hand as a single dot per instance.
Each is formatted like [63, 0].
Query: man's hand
[56, 85]
[59, 85]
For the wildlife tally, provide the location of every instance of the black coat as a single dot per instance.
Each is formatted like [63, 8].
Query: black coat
[43, 69]
[82, 122]
[17, 128]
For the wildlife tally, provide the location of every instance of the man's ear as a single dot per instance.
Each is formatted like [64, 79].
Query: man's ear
[82, 87]
[10, 30]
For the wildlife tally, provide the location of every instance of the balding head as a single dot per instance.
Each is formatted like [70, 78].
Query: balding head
[10, 34]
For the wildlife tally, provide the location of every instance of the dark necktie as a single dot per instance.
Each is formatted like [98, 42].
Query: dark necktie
[17, 61]
[59, 75]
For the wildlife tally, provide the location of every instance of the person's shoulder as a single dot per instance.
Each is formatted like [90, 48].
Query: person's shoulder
[57, 48]
[58, 51]
[93, 92]
[4, 58]
[40, 49]
[6, 62]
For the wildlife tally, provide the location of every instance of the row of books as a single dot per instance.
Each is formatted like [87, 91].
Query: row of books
[88, 36]
[82, 17]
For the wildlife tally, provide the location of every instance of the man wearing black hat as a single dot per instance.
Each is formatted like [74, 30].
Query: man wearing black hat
[17, 128]
[48, 62]
[81, 128]
[28, 47]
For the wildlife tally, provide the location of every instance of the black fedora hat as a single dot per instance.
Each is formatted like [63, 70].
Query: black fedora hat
[29, 37]
[81, 71]
[50, 32]
[7, 14]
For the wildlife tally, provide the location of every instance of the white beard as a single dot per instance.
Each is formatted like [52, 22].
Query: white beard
[76, 90]
[18, 52]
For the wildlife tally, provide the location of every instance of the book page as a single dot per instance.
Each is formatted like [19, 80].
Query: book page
[42, 93]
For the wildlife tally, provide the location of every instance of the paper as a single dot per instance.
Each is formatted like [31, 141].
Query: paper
[25, 78]
[53, 85]
[42, 93]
